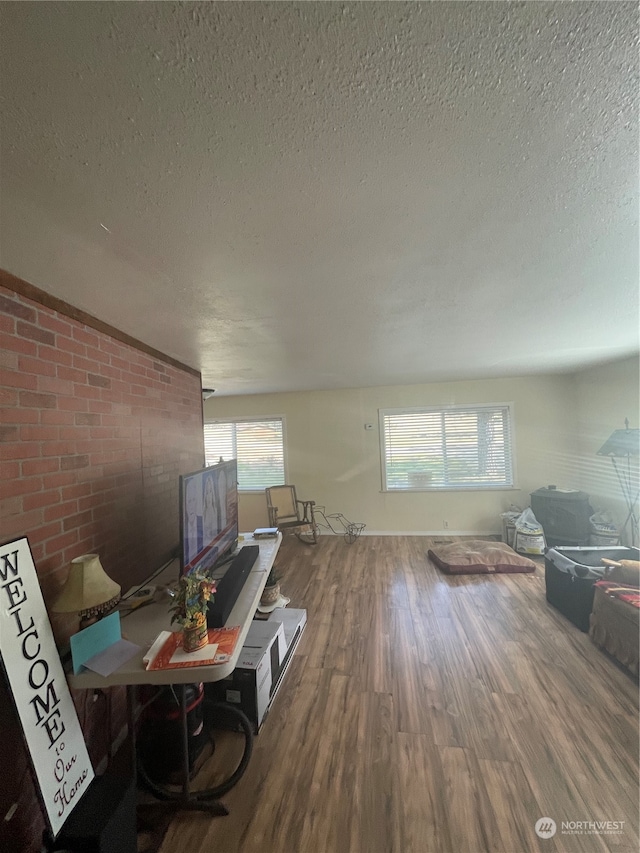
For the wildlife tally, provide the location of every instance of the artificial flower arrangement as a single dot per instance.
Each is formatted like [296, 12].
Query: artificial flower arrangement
[189, 608]
[195, 591]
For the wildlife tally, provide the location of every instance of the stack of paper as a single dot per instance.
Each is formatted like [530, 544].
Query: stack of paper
[167, 651]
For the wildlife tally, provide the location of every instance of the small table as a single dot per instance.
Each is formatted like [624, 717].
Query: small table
[143, 625]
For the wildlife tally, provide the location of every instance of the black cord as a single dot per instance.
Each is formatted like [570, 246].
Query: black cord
[147, 581]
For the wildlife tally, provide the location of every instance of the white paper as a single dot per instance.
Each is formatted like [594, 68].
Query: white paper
[157, 644]
[112, 658]
[207, 652]
[179, 656]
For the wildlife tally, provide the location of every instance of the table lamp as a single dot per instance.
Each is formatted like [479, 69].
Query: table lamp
[88, 591]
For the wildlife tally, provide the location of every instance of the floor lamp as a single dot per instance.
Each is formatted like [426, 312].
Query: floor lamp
[624, 444]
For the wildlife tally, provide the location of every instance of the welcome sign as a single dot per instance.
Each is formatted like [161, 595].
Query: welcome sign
[45, 708]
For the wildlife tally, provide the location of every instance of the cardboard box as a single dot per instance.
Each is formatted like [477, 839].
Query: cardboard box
[262, 664]
[250, 685]
[262, 637]
[293, 622]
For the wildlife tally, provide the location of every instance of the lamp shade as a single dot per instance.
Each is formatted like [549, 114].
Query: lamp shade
[88, 587]
[622, 442]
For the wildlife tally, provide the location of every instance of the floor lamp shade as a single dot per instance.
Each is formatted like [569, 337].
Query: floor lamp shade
[624, 444]
[621, 443]
[89, 590]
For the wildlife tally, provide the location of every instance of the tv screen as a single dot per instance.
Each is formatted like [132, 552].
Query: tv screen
[208, 516]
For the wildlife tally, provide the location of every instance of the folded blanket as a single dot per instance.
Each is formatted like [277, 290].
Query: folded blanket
[625, 593]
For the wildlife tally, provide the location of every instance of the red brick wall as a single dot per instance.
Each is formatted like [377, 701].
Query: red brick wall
[94, 432]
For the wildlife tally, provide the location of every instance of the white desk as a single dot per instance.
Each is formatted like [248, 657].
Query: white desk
[143, 625]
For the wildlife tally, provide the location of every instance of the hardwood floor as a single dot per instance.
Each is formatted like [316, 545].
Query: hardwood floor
[430, 714]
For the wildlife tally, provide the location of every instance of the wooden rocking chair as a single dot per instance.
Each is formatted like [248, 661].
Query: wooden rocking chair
[290, 515]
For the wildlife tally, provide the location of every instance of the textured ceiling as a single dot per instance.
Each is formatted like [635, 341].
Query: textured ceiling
[314, 195]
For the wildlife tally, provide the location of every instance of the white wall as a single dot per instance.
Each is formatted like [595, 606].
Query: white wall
[605, 396]
[334, 461]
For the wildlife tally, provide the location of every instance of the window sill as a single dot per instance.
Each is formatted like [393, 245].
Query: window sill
[438, 489]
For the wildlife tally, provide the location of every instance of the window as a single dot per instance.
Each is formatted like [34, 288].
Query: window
[257, 445]
[462, 447]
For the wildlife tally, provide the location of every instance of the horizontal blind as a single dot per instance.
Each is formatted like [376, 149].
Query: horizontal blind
[257, 445]
[219, 442]
[461, 447]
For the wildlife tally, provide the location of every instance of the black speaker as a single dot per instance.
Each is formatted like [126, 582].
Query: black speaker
[230, 586]
[104, 821]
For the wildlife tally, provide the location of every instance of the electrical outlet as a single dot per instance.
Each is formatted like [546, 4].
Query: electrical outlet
[445, 525]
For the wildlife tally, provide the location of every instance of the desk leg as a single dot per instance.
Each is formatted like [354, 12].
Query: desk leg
[131, 720]
[189, 800]
[186, 799]
[186, 768]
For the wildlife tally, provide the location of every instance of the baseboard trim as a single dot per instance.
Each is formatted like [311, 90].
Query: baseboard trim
[432, 533]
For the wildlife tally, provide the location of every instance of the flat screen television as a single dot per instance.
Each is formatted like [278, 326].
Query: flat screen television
[208, 516]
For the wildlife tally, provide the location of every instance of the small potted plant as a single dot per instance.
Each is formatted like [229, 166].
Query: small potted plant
[189, 608]
[271, 592]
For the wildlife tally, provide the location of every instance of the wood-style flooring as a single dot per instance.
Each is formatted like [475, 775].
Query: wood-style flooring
[430, 714]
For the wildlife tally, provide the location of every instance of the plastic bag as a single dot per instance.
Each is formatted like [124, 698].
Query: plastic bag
[603, 523]
[513, 512]
[509, 524]
[529, 537]
[528, 523]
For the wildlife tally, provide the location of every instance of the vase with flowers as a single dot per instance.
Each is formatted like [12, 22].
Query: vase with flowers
[189, 608]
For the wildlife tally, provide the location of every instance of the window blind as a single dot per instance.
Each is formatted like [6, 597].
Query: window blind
[257, 445]
[466, 447]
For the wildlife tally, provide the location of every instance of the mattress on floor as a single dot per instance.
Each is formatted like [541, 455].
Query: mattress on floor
[477, 556]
